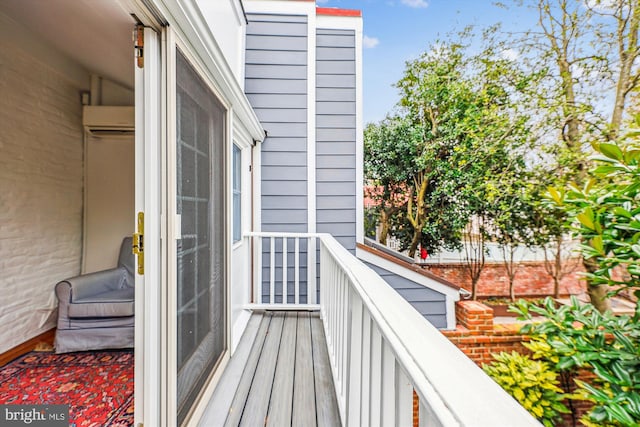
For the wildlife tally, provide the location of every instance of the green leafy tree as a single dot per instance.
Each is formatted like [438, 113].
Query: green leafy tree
[457, 128]
[586, 53]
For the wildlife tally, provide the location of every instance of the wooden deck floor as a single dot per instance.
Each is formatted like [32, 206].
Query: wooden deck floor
[286, 378]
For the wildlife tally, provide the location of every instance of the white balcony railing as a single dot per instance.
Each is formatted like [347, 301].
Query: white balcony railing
[381, 349]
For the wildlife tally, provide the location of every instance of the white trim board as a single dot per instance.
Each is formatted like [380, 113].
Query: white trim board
[194, 32]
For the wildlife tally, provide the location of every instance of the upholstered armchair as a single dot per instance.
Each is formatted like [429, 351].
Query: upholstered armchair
[96, 310]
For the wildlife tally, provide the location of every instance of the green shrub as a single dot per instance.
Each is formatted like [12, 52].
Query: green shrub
[533, 383]
[578, 336]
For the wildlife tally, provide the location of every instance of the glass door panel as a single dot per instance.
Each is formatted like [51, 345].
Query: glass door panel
[200, 202]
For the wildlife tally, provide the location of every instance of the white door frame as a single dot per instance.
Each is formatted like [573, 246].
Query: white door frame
[148, 200]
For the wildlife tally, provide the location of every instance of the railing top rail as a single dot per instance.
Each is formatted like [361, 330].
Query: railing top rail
[283, 234]
[455, 388]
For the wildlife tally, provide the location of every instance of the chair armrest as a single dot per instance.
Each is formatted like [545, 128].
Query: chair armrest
[91, 284]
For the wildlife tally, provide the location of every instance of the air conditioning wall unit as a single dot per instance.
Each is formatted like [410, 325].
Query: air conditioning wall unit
[108, 121]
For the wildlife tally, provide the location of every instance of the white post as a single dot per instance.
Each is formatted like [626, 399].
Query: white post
[285, 254]
[272, 271]
[311, 271]
[354, 369]
[296, 270]
[404, 399]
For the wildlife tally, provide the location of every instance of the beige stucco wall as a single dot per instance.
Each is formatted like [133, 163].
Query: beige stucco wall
[41, 172]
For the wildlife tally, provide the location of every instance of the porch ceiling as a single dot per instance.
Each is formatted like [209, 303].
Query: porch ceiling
[95, 33]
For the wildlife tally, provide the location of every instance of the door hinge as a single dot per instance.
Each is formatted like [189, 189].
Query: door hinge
[138, 44]
[138, 243]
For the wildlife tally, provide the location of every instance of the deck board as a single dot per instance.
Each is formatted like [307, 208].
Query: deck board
[237, 406]
[304, 402]
[282, 392]
[326, 403]
[222, 399]
[255, 410]
[287, 377]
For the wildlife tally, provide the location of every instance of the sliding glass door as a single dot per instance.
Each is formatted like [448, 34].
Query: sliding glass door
[200, 234]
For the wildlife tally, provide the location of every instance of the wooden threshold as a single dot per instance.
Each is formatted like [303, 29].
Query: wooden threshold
[46, 337]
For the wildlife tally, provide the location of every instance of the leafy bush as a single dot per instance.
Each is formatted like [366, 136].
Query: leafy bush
[578, 336]
[607, 213]
[533, 383]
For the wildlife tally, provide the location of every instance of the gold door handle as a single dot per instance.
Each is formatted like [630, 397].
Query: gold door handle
[138, 243]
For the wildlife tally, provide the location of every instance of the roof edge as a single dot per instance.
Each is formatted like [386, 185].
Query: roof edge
[334, 11]
[371, 247]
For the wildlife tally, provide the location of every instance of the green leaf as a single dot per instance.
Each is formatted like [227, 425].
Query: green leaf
[597, 244]
[556, 195]
[631, 156]
[586, 218]
[612, 151]
[622, 212]
[619, 414]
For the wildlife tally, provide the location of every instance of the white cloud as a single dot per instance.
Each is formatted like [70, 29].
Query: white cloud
[509, 54]
[415, 3]
[369, 42]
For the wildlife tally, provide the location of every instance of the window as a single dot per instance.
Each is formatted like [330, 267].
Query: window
[237, 193]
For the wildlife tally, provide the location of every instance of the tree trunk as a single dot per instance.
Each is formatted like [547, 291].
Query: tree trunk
[597, 293]
[558, 269]
[628, 54]
[415, 241]
[384, 227]
[556, 287]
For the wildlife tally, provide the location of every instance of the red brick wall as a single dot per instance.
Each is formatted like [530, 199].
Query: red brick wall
[531, 279]
[478, 337]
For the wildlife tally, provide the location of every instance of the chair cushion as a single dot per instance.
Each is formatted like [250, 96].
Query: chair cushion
[111, 303]
[126, 258]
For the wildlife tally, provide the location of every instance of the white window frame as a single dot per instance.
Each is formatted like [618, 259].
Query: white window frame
[236, 191]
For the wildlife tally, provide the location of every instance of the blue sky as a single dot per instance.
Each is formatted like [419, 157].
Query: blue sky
[399, 30]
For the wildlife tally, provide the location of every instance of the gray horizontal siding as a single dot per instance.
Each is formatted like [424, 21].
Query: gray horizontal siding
[330, 174]
[260, 25]
[336, 67]
[336, 135]
[276, 86]
[334, 216]
[276, 158]
[268, 100]
[287, 144]
[270, 71]
[288, 42]
[282, 115]
[336, 53]
[329, 107]
[296, 173]
[431, 304]
[275, 20]
[339, 148]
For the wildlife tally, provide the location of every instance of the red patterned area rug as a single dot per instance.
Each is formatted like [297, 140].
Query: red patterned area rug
[98, 385]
